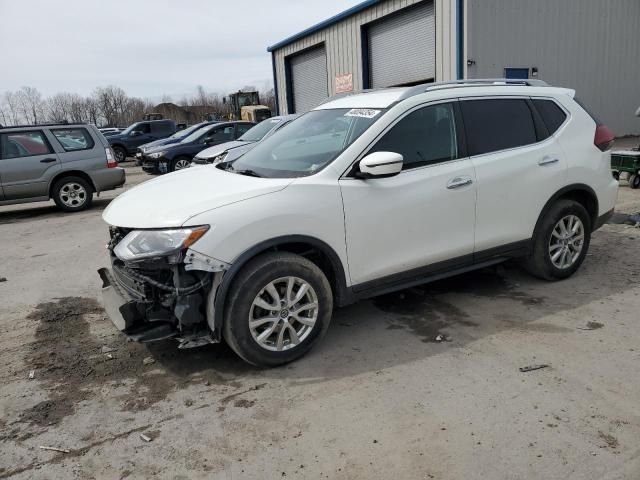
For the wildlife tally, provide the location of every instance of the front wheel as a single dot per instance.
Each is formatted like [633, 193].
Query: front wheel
[560, 242]
[279, 306]
[180, 164]
[120, 154]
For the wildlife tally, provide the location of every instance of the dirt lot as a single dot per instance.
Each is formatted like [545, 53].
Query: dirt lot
[378, 398]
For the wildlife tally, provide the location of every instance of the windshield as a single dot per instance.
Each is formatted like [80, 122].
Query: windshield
[308, 144]
[256, 133]
[196, 134]
[187, 131]
[130, 128]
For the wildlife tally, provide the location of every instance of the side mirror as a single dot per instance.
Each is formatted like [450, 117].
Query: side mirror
[380, 165]
[135, 133]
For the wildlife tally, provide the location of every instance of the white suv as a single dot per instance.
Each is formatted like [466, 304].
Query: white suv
[366, 194]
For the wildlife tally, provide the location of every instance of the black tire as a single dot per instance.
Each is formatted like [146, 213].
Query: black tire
[616, 175]
[120, 154]
[539, 262]
[634, 181]
[178, 161]
[250, 281]
[72, 194]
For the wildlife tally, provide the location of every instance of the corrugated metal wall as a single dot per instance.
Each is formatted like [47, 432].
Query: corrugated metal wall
[590, 45]
[344, 49]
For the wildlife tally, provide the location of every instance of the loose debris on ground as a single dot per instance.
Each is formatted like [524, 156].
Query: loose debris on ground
[531, 368]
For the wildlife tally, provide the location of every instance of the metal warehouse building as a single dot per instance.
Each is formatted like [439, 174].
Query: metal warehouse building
[590, 45]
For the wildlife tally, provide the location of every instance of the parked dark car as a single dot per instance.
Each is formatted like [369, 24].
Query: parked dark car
[125, 143]
[228, 152]
[177, 156]
[175, 138]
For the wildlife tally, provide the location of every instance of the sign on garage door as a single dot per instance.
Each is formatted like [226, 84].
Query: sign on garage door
[402, 48]
[309, 84]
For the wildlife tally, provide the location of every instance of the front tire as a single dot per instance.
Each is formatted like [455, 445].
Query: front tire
[180, 164]
[561, 241]
[72, 194]
[279, 306]
[120, 154]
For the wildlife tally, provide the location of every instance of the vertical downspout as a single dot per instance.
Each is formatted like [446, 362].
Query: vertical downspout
[275, 82]
[460, 39]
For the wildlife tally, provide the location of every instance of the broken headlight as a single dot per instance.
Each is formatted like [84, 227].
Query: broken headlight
[140, 244]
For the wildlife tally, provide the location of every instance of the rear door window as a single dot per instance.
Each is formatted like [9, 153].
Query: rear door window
[74, 139]
[552, 115]
[24, 144]
[497, 124]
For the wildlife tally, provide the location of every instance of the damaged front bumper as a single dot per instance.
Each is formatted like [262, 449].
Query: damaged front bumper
[164, 297]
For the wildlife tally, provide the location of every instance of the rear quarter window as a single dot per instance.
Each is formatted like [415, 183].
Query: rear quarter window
[74, 139]
[552, 115]
[497, 124]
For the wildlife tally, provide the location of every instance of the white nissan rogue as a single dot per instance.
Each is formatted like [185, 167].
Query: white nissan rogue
[366, 194]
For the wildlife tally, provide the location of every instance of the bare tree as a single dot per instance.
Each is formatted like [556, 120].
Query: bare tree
[11, 102]
[30, 104]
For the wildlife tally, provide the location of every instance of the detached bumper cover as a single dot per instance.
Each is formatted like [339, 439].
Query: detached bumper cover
[121, 309]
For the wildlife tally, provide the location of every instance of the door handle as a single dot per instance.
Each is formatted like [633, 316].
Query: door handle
[548, 160]
[47, 160]
[459, 182]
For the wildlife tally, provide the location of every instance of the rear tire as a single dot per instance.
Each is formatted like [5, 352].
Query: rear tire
[616, 175]
[561, 241]
[72, 194]
[120, 154]
[634, 181]
[286, 328]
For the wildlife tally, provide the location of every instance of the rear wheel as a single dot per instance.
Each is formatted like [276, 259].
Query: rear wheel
[120, 154]
[561, 241]
[279, 306]
[634, 181]
[180, 164]
[616, 175]
[72, 194]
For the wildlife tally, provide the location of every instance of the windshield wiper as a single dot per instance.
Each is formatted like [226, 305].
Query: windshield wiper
[248, 173]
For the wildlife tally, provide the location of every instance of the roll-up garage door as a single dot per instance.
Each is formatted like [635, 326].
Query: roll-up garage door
[308, 79]
[402, 48]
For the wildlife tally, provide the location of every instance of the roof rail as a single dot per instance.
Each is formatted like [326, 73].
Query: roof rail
[472, 82]
[36, 125]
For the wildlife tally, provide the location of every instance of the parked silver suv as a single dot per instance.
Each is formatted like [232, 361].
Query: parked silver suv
[64, 162]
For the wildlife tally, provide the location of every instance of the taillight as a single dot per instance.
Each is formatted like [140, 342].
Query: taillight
[111, 161]
[604, 138]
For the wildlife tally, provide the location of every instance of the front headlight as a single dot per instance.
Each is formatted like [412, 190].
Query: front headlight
[141, 244]
[219, 158]
[157, 154]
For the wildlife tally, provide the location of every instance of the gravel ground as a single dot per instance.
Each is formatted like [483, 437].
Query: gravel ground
[378, 398]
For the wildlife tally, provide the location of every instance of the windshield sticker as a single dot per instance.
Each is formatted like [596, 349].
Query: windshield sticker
[362, 112]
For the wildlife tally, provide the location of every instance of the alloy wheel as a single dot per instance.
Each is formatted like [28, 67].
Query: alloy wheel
[567, 241]
[283, 314]
[73, 194]
[182, 164]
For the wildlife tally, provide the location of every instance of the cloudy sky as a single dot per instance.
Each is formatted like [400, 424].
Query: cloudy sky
[148, 47]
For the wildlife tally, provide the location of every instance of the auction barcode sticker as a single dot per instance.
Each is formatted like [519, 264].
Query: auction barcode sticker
[362, 112]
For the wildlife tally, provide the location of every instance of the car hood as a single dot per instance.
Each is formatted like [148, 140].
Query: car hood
[158, 143]
[223, 147]
[171, 200]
